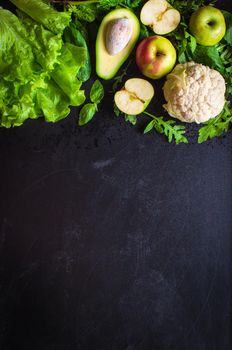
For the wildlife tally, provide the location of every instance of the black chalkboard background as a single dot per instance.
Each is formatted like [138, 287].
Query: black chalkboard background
[111, 240]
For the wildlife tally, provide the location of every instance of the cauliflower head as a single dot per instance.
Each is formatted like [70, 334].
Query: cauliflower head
[194, 93]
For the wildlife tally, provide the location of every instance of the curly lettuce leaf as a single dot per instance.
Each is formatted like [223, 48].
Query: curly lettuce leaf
[38, 74]
[76, 34]
[42, 12]
[72, 58]
[46, 45]
[12, 42]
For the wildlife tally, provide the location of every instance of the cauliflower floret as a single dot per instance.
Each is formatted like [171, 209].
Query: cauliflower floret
[194, 92]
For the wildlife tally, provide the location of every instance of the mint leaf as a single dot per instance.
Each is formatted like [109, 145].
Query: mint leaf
[87, 113]
[96, 92]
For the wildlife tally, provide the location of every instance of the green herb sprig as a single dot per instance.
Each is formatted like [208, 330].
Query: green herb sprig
[119, 78]
[88, 111]
[169, 128]
[216, 126]
[173, 132]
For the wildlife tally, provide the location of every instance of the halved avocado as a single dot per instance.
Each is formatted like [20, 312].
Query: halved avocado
[107, 65]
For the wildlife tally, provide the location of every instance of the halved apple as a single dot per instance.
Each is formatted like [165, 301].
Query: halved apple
[160, 16]
[134, 98]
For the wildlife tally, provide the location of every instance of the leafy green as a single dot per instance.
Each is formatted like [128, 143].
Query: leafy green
[38, 71]
[131, 118]
[76, 34]
[87, 113]
[117, 111]
[228, 19]
[173, 132]
[83, 11]
[89, 109]
[208, 55]
[186, 7]
[44, 13]
[96, 92]
[71, 59]
[184, 43]
[216, 126]
[106, 4]
[144, 32]
[218, 57]
[119, 78]
[45, 45]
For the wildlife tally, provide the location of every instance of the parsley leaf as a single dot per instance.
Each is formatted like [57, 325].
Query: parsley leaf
[216, 126]
[186, 7]
[83, 12]
[173, 132]
[119, 78]
[131, 118]
[128, 117]
[117, 111]
[87, 8]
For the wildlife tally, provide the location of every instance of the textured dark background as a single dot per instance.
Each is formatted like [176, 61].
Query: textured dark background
[114, 240]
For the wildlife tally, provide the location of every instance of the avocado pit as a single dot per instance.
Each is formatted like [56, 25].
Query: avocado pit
[118, 34]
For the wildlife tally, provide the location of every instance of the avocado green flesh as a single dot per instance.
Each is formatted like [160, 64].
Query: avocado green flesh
[107, 65]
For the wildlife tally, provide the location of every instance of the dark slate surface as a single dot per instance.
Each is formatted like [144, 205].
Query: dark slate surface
[113, 240]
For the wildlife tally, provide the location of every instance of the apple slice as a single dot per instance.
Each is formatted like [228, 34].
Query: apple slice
[167, 23]
[152, 9]
[134, 97]
[160, 15]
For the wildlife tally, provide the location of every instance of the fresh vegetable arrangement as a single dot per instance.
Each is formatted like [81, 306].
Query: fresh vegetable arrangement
[45, 58]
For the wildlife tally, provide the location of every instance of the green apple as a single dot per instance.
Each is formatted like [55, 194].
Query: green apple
[208, 25]
[155, 56]
[135, 96]
[160, 16]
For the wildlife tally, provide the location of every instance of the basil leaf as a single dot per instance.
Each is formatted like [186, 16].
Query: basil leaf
[87, 113]
[96, 92]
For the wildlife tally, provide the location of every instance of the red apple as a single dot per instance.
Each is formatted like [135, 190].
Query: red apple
[155, 56]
